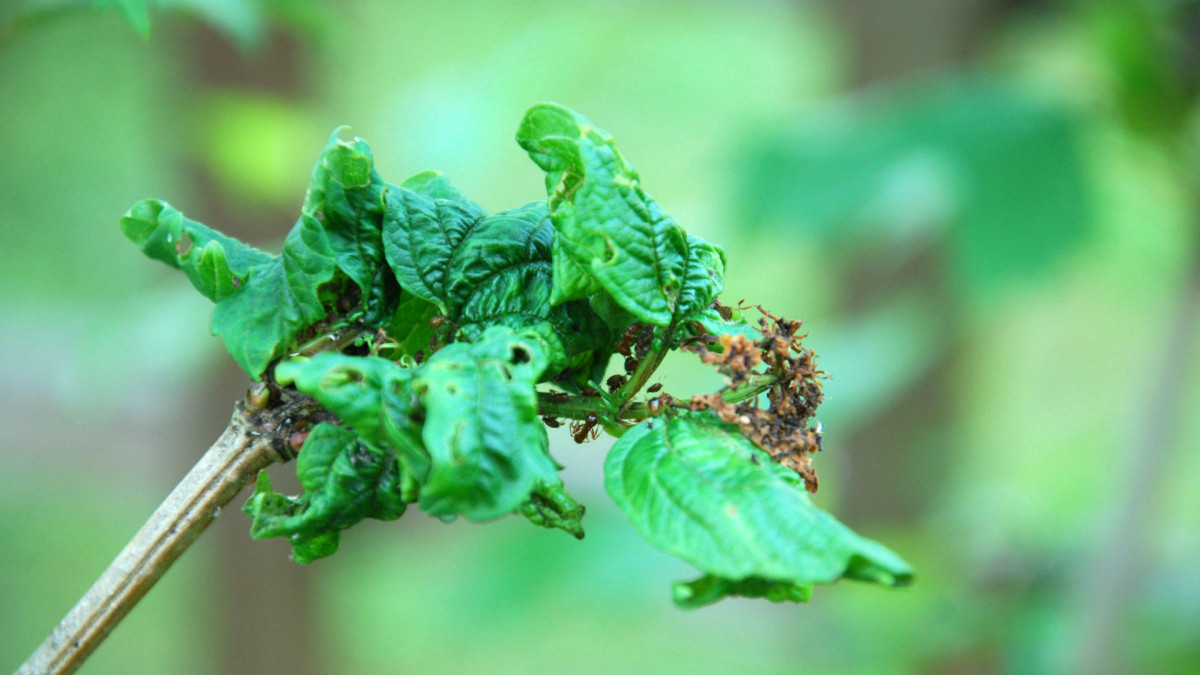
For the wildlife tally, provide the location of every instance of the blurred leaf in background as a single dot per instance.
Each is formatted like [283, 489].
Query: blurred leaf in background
[971, 157]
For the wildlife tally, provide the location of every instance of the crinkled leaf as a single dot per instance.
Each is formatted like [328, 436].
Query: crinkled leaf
[609, 229]
[706, 494]
[420, 235]
[263, 301]
[492, 271]
[345, 194]
[279, 299]
[345, 480]
[550, 506]
[216, 265]
[434, 184]
[705, 277]
[372, 395]
[268, 506]
[487, 445]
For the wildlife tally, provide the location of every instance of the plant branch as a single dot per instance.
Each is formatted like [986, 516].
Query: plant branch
[646, 368]
[251, 442]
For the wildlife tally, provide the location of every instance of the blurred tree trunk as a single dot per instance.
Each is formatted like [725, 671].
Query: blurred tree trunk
[265, 608]
[892, 39]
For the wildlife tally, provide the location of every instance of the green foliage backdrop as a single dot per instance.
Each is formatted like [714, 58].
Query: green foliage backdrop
[990, 260]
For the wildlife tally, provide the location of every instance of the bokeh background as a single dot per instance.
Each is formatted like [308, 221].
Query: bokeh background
[986, 211]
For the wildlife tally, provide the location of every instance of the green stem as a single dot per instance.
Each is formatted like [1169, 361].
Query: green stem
[645, 370]
[330, 342]
[755, 384]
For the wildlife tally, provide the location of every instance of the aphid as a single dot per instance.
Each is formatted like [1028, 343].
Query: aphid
[654, 387]
[615, 382]
[552, 422]
[436, 322]
[625, 345]
[586, 429]
[631, 365]
[655, 405]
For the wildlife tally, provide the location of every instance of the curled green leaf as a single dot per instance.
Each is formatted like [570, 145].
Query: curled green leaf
[487, 446]
[345, 195]
[372, 395]
[484, 271]
[550, 506]
[216, 265]
[280, 299]
[710, 588]
[345, 480]
[610, 234]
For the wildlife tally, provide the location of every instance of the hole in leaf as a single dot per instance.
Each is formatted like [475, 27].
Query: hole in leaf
[184, 245]
[520, 355]
[610, 251]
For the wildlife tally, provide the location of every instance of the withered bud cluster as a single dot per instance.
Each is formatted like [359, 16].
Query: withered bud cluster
[782, 428]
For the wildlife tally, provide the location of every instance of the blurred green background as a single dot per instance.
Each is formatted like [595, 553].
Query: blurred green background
[986, 212]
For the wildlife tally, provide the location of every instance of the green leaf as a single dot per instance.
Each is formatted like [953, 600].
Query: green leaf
[216, 265]
[268, 506]
[279, 299]
[372, 395]
[487, 445]
[550, 506]
[420, 235]
[410, 326]
[263, 301]
[999, 171]
[434, 184]
[706, 494]
[608, 229]
[494, 270]
[709, 589]
[345, 194]
[705, 277]
[345, 480]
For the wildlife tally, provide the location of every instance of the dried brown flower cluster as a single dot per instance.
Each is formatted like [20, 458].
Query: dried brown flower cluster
[782, 428]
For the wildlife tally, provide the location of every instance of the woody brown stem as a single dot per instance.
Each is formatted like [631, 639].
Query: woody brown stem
[251, 442]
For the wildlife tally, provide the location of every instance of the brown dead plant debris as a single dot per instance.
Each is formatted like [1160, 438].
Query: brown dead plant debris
[782, 428]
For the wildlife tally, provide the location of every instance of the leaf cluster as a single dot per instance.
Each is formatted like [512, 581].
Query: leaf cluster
[443, 340]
